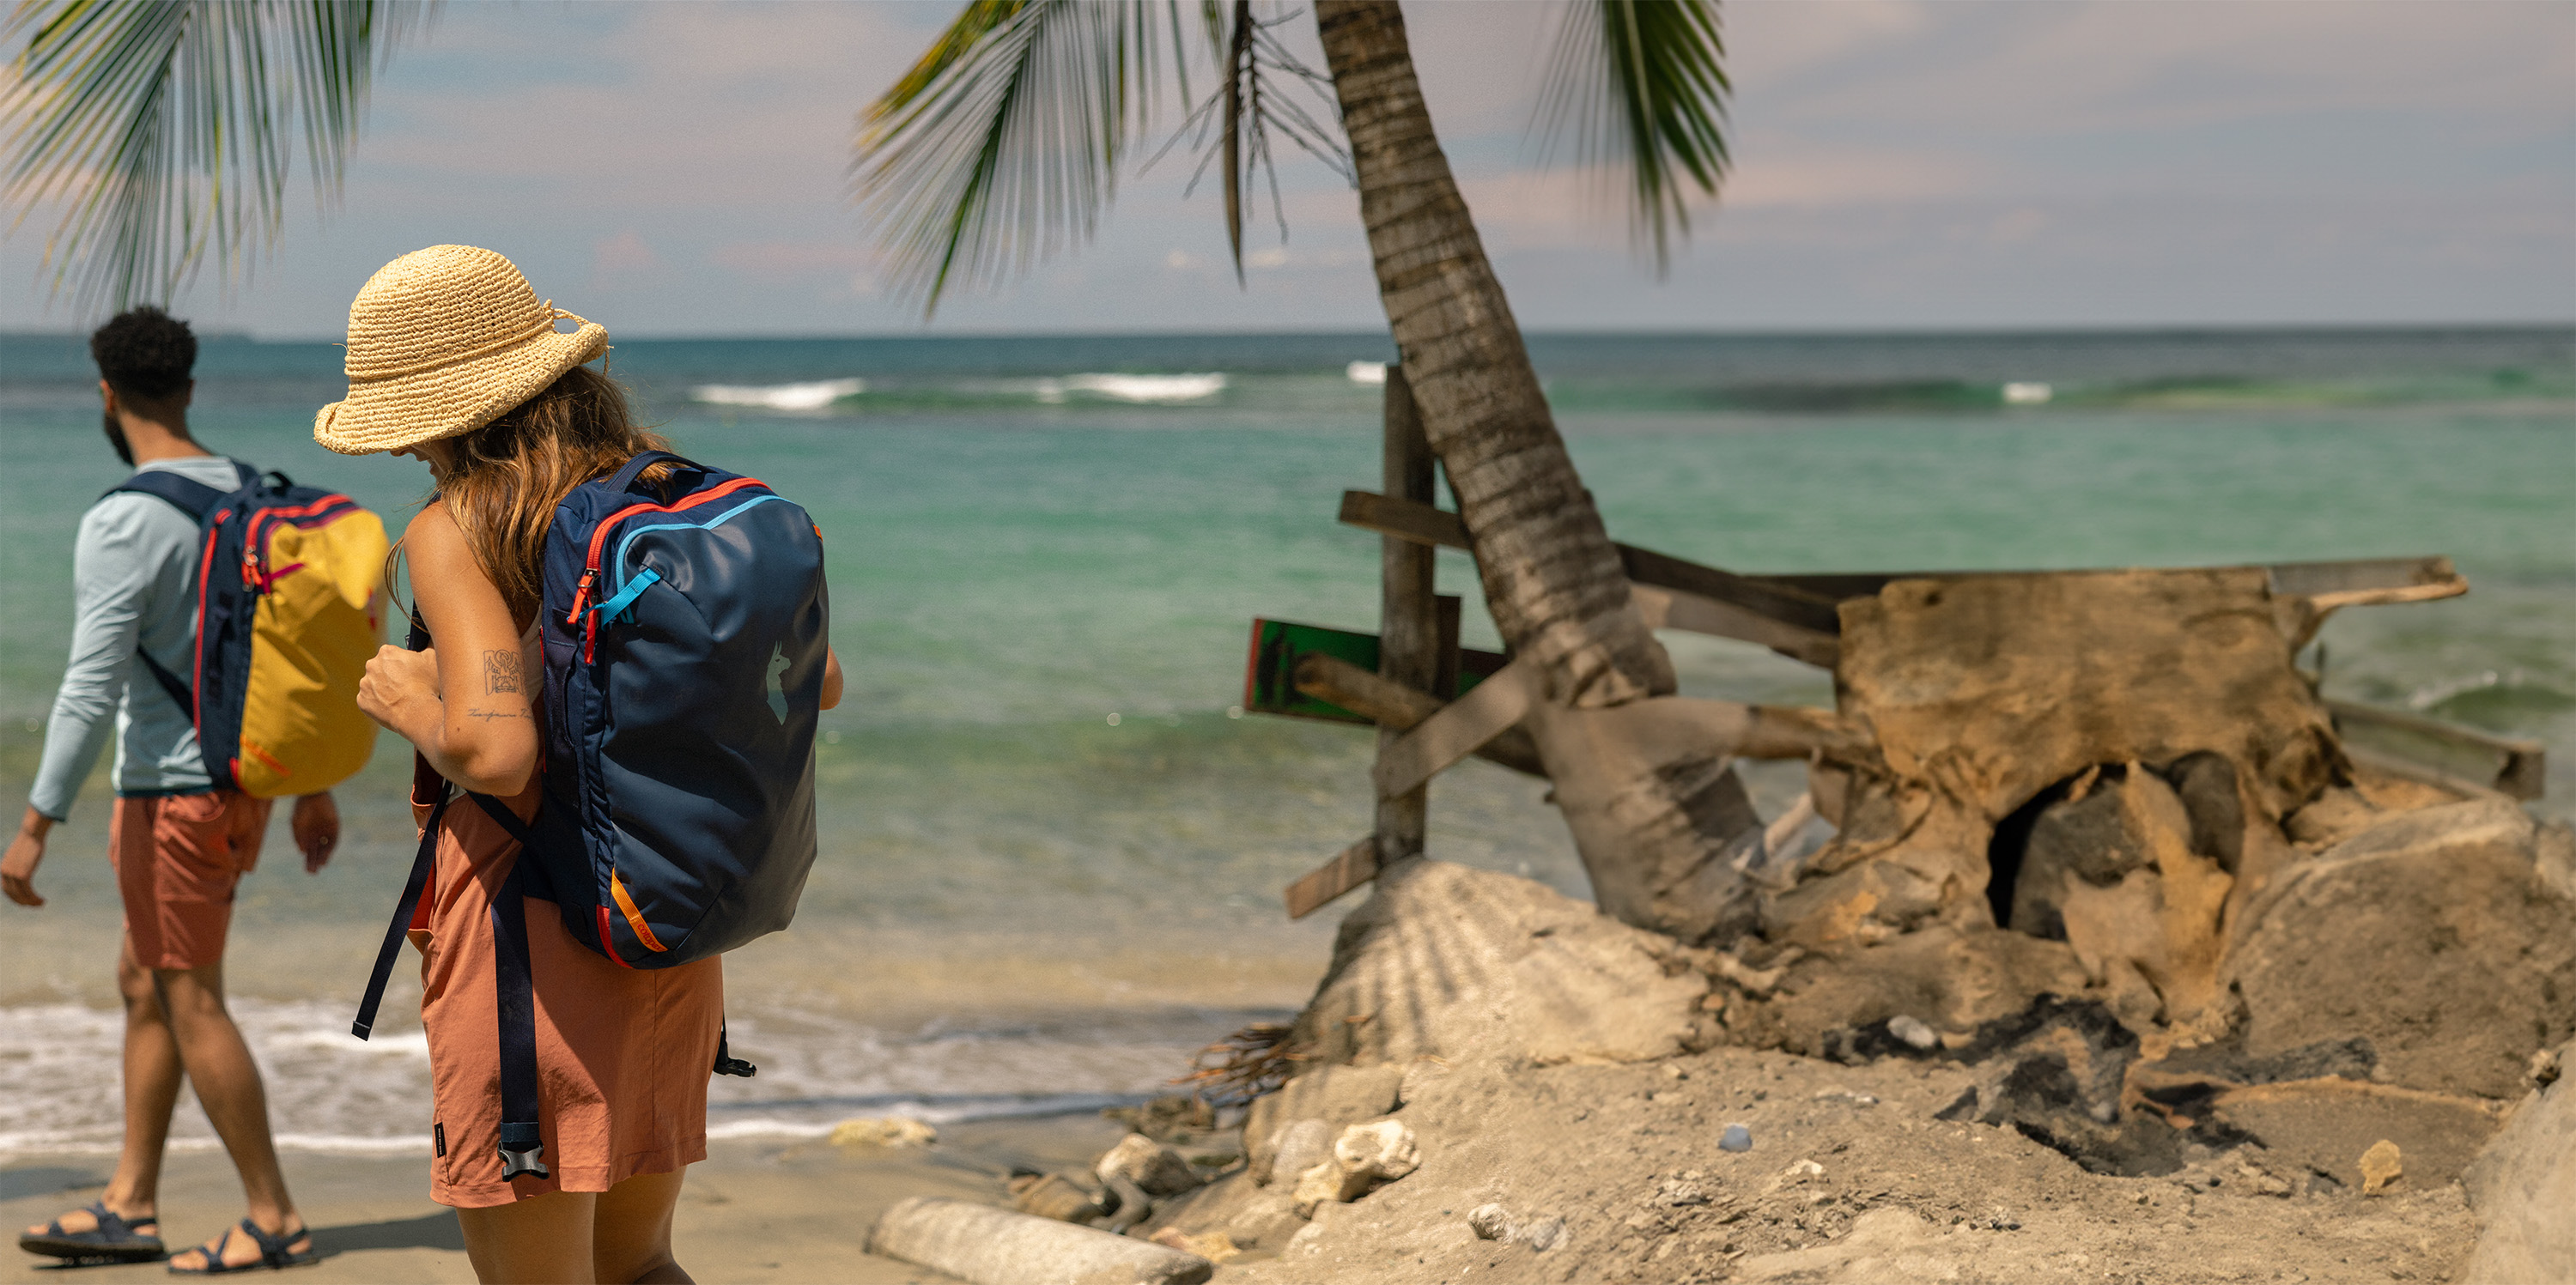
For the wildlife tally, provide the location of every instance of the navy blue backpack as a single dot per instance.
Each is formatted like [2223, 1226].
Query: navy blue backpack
[685, 639]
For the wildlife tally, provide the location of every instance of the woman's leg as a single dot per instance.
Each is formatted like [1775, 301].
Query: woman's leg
[543, 1240]
[630, 1239]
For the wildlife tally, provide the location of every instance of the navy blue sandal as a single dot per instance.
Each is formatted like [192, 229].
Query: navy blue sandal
[273, 1252]
[113, 1240]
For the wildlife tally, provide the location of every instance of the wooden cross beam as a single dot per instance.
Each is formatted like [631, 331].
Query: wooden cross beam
[1798, 615]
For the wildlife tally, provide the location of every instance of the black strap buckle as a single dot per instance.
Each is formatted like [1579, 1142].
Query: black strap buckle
[730, 1065]
[523, 1151]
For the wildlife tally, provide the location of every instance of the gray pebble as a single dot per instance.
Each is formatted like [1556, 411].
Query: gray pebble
[1736, 1138]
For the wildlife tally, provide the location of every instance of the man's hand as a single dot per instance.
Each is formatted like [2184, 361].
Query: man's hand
[18, 869]
[317, 830]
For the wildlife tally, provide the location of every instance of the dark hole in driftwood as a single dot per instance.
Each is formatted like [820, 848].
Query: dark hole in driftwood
[2075, 826]
[2004, 855]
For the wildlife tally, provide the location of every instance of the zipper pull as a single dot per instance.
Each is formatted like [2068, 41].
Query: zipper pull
[580, 596]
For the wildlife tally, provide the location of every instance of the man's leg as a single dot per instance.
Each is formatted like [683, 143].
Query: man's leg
[151, 1091]
[152, 1078]
[228, 1087]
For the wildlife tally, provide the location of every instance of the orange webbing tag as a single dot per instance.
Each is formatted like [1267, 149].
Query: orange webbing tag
[634, 917]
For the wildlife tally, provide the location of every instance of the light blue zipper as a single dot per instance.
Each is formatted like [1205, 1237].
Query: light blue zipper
[629, 590]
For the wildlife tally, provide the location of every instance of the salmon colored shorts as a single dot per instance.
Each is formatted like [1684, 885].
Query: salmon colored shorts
[623, 1054]
[177, 857]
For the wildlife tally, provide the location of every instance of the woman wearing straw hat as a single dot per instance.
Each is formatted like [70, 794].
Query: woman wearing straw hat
[454, 362]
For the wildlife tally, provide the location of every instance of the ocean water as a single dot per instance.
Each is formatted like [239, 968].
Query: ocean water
[1052, 853]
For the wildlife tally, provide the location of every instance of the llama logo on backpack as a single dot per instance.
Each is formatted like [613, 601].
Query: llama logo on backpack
[286, 622]
[773, 682]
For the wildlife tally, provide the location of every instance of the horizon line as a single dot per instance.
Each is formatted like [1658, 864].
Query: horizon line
[1999, 331]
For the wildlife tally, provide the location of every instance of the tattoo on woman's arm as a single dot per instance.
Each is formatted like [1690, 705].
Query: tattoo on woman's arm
[489, 714]
[501, 671]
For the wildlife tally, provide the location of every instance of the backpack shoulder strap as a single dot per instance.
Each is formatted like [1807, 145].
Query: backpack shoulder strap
[625, 477]
[194, 498]
[178, 690]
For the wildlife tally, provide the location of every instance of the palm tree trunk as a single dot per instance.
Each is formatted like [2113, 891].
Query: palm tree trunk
[1649, 834]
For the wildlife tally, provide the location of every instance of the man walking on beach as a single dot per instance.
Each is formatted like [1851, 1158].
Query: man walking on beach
[178, 844]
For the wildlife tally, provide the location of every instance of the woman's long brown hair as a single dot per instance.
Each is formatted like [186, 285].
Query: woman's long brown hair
[507, 477]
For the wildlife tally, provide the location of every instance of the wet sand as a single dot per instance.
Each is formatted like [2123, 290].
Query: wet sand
[755, 1210]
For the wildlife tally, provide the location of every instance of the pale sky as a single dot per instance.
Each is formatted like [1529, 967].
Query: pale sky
[678, 168]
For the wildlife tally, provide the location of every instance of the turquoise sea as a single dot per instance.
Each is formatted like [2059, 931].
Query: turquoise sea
[1053, 853]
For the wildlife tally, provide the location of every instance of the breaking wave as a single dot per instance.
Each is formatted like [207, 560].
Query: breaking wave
[329, 1092]
[1143, 389]
[815, 395]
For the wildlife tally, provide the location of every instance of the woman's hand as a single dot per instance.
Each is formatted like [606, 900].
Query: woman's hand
[464, 703]
[400, 692]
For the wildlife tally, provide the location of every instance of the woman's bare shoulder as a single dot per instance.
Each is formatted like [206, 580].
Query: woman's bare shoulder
[433, 544]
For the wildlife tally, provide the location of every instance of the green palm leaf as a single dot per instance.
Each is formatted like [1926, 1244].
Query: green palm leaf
[1641, 87]
[165, 127]
[1004, 141]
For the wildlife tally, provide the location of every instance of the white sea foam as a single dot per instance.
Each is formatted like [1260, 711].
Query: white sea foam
[1366, 372]
[2027, 394]
[807, 396]
[329, 1092]
[1144, 389]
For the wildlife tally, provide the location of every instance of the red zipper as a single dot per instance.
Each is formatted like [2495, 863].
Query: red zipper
[252, 554]
[205, 572]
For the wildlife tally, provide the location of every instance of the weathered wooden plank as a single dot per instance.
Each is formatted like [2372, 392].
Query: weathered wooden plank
[2363, 579]
[1423, 524]
[1767, 598]
[1353, 866]
[1676, 609]
[1408, 619]
[1278, 646]
[2512, 766]
[1347, 686]
[2365, 575]
[1456, 730]
[1448, 607]
[2350, 582]
[1402, 520]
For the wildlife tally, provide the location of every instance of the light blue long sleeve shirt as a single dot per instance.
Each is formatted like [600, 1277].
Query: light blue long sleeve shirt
[134, 581]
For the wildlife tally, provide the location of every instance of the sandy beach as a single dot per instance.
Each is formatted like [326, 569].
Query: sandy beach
[753, 1211]
[1627, 1156]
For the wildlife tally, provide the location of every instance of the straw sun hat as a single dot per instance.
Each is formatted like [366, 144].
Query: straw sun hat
[442, 341]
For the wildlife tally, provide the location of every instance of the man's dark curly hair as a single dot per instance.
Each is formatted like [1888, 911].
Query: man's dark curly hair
[145, 354]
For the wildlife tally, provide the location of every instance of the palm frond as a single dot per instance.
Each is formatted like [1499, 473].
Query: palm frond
[165, 128]
[1003, 143]
[1640, 85]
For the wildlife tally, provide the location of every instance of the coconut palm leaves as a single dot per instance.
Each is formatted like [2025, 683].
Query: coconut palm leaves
[1004, 142]
[1640, 87]
[165, 128]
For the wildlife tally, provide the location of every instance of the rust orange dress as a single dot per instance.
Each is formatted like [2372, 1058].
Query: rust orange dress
[623, 1054]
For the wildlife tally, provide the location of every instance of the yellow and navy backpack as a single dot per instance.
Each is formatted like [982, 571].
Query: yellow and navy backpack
[287, 619]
